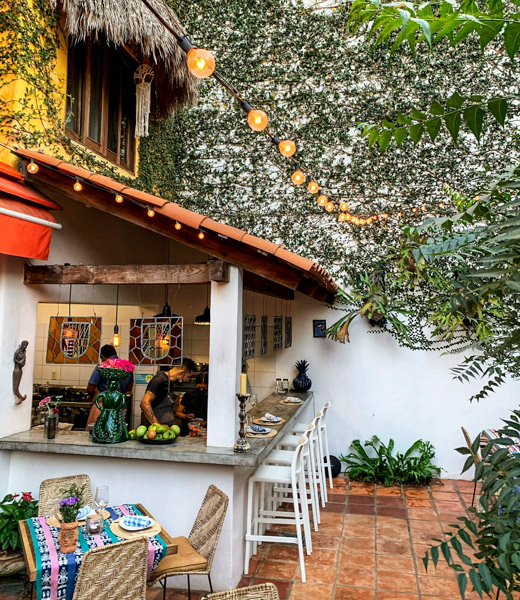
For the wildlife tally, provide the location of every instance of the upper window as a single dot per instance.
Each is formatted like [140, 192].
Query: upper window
[101, 101]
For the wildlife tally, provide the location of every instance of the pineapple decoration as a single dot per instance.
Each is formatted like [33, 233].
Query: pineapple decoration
[301, 382]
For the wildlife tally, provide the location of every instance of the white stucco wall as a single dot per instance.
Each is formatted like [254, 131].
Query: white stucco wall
[376, 387]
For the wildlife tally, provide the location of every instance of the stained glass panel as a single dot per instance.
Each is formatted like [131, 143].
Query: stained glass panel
[288, 332]
[263, 336]
[75, 340]
[278, 333]
[249, 336]
[156, 341]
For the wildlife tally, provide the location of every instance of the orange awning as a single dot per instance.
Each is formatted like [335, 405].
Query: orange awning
[25, 221]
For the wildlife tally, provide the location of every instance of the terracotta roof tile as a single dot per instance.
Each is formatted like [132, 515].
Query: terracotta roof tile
[223, 229]
[184, 216]
[39, 157]
[143, 197]
[107, 182]
[299, 261]
[73, 170]
[260, 244]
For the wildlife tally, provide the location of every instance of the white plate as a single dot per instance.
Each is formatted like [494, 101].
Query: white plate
[292, 400]
[123, 522]
[277, 420]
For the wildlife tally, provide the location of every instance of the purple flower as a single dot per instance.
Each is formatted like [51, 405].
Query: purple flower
[68, 501]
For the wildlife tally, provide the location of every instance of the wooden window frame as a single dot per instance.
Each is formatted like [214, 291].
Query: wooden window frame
[83, 104]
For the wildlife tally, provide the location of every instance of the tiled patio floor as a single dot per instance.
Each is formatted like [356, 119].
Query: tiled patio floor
[369, 546]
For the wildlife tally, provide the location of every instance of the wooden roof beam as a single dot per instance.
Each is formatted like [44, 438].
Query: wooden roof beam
[260, 285]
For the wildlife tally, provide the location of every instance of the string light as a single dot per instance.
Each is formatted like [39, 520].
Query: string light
[322, 200]
[201, 235]
[119, 198]
[414, 209]
[201, 62]
[423, 207]
[298, 177]
[77, 185]
[385, 215]
[441, 204]
[342, 216]
[151, 212]
[363, 221]
[257, 119]
[116, 338]
[177, 225]
[313, 187]
[343, 206]
[329, 206]
[287, 147]
[33, 168]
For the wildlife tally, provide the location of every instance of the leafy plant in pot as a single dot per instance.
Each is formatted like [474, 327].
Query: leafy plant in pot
[69, 507]
[302, 383]
[14, 508]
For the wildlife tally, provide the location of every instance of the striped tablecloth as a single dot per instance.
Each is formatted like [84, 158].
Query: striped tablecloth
[494, 434]
[57, 572]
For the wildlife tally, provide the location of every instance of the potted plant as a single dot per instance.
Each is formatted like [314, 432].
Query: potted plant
[68, 537]
[14, 508]
[52, 415]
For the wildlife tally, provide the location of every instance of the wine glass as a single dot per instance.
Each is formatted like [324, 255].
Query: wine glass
[101, 499]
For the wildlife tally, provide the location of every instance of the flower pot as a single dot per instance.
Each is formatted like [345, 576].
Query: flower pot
[68, 537]
[52, 426]
[11, 562]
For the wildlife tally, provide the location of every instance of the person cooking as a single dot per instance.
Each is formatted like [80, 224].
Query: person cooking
[97, 383]
[156, 405]
[194, 404]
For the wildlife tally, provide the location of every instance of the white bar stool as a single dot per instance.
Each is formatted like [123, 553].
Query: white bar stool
[299, 428]
[294, 478]
[284, 457]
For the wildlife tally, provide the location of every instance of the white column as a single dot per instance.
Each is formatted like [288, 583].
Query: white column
[225, 359]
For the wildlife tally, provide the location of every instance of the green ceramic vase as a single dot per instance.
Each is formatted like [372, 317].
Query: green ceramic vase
[110, 427]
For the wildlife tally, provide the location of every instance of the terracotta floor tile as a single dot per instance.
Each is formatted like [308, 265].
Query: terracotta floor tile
[333, 507]
[366, 489]
[253, 564]
[356, 560]
[383, 521]
[418, 503]
[283, 586]
[282, 552]
[359, 529]
[151, 594]
[439, 586]
[416, 493]
[338, 481]
[352, 593]
[447, 496]
[395, 596]
[416, 525]
[331, 528]
[465, 486]
[356, 577]
[277, 569]
[443, 506]
[390, 501]
[441, 570]
[323, 556]
[361, 485]
[397, 564]
[360, 509]
[322, 540]
[318, 573]
[173, 594]
[390, 533]
[359, 544]
[396, 492]
[339, 491]
[426, 537]
[331, 518]
[333, 497]
[391, 511]
[355, 499]
[395, 581]
[316, 591]
[422, 514]
[244, 582]
[366, 519]
[391, 547]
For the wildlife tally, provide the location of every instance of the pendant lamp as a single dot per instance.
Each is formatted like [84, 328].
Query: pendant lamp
[204, 318]
[116, 338]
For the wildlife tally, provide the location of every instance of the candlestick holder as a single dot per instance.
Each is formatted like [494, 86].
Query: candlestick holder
[242, 445]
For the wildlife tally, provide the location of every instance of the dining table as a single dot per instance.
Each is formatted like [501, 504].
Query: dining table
[53, 574]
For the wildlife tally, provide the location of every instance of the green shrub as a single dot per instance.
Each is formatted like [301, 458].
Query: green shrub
[379, 465]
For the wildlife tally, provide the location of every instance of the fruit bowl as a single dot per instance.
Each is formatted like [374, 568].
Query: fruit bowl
[156, 442]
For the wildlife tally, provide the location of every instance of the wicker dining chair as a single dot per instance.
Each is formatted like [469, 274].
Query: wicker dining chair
[114, 572]
[195, 553]
[264, 591]
[50, 492]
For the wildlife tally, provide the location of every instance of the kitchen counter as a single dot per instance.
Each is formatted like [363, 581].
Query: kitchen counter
[184, 450]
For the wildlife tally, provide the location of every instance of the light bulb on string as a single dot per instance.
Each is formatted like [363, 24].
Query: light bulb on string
[177, 225]
[343, 206]
[201, 235]
[414, 209]
[348, 217]
[33, 168]
[287, 147]
[298, 177]
[119, 198]
[116, 338]
[385, 215]
[423, 207]
[201, 63]
[363, 221]
[77, 185]
[322, 200]
[151, 212]
[342, 217]
[329, 207]
[441, 204]
[370, 220]
[257, 120]
[313, 187]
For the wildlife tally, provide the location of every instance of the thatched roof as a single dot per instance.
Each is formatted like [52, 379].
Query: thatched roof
[131, 22]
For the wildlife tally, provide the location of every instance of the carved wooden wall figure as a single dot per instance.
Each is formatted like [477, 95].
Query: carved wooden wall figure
[19, 364]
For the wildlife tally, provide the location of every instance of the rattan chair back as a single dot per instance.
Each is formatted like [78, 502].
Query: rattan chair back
[208, 524]
[114, 572]
[264, 591]
[50, 492]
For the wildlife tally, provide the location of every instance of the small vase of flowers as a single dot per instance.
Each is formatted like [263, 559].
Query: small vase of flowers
[68, 537]
[52, 416]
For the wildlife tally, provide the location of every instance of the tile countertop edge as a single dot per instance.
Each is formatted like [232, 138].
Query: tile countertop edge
[21, 442]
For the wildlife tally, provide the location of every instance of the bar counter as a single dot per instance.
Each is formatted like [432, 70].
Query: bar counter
[184, 450]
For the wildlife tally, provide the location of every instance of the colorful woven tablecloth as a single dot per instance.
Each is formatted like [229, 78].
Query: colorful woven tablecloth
[493, 434]
[56, 572]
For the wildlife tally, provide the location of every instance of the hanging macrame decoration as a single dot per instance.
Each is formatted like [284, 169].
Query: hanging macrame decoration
[143, 78]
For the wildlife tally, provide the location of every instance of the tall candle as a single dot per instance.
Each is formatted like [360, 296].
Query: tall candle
[243, 383]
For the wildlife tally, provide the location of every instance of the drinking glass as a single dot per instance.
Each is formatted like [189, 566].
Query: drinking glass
[101, 499]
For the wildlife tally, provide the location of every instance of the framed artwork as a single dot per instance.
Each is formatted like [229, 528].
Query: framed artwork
[318, 328]
[249, 334]
[74, 340]
[288, 332]
[263, 336]
[156, 341]
[278, 333]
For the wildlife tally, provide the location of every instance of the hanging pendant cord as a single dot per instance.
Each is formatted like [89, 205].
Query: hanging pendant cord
[70, 298]
[117, 302]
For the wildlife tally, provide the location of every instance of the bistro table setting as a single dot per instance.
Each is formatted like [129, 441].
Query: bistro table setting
[53, 571]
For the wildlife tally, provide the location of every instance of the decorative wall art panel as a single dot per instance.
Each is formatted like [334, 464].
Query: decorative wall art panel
[288, 332]
[249, 336]
[278, 333]
[263, 336]
[74, 340]
[156, 341]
